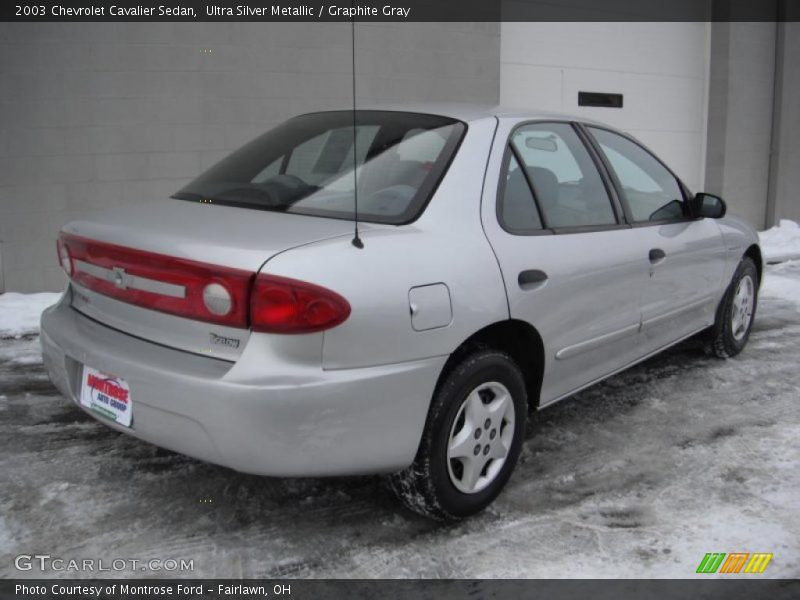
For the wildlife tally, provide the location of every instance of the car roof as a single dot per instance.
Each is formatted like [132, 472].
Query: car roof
[472, 112]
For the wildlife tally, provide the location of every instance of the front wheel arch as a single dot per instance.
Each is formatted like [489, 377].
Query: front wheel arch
[754, 253]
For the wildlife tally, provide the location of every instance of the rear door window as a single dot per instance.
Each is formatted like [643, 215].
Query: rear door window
[517, 210]
[566, 184]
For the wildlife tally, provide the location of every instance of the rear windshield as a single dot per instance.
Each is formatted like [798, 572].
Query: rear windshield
[306, 166]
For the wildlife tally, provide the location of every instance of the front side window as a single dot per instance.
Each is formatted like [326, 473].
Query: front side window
[306, 166]
[567, 186]
[650, 190]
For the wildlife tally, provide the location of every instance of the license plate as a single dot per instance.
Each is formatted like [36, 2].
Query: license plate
[106, 395]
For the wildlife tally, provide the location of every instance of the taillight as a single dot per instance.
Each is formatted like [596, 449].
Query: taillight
[63, 257]
[186, 288]
[283, 305]
[200, 291]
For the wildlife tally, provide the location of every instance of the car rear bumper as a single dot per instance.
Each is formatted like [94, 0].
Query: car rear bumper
[309, 423]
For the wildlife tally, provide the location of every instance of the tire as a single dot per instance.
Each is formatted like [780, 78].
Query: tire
[731, 330]
[447, 480]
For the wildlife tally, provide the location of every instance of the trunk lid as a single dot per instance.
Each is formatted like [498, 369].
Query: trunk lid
[108, 281]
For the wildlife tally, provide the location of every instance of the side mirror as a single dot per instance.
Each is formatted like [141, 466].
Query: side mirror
[708, 205]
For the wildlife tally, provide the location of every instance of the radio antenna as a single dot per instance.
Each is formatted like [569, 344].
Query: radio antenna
[356, 239]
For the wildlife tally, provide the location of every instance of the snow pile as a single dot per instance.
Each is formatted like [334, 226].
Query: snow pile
[781, 242]
[782, 281]
[20, 313]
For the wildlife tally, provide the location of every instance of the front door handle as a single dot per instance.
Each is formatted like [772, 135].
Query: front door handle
[532, 278]
[657, 255]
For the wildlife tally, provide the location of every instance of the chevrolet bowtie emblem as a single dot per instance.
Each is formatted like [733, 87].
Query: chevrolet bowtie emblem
[119, 278]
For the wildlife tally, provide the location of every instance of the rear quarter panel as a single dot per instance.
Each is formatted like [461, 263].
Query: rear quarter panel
[445, 245]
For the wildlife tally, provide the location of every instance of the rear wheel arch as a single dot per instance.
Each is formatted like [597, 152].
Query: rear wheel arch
[519, 339]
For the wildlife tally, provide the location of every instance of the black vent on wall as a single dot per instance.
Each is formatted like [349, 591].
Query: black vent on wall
[600, 99]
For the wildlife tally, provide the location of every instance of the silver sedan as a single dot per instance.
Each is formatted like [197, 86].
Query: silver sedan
[392, 292]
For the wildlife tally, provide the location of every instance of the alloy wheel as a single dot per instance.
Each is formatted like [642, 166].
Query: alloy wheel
[480, 438]
[742, 307]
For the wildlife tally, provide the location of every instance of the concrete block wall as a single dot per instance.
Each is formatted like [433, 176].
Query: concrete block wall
[97, 115]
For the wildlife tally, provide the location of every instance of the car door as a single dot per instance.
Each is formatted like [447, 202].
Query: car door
[686, 255]
[571, 267]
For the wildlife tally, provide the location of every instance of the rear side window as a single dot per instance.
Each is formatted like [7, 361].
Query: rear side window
[650, 190]
[566, 184]
[517, 210]
[306, 166]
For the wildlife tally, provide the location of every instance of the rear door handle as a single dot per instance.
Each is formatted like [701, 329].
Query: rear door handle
[657, 255]
[532, 278]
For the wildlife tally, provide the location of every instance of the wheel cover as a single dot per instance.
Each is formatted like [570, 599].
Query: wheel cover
[742, 307]
[480, 437]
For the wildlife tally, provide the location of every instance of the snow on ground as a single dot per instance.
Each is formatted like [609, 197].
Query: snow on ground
[781, 242]
[782, 282]
[638, 476]
[23, 352]
[19, 313]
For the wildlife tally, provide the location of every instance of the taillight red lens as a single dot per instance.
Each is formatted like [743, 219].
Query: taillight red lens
[63, 257]
[200, 291]
[177, 286]
[283, 305]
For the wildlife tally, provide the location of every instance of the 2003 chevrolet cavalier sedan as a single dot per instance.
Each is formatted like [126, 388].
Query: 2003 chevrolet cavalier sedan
[503, 261]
